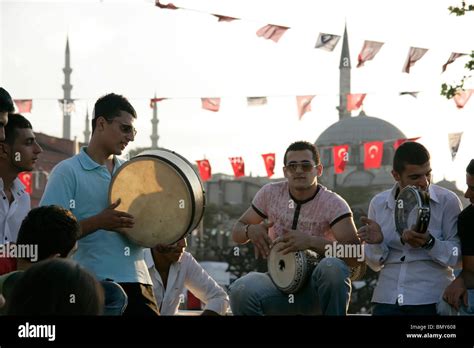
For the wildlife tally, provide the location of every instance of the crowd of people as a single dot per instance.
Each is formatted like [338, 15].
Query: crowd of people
[76, 258]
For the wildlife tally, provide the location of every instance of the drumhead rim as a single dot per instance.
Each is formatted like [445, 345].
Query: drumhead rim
[423, 204]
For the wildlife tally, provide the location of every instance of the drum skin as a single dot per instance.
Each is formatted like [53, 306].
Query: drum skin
[412, 208]
[164, 194]
[290, 272]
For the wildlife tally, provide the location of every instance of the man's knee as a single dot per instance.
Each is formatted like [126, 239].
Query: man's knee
[331, 270]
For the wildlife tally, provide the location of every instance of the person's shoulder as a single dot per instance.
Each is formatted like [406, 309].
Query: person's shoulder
[275, 187]
[467, 213]
[445, 194]
[382, 196]
[67, 165]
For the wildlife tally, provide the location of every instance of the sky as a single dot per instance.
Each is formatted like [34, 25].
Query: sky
[136, 49]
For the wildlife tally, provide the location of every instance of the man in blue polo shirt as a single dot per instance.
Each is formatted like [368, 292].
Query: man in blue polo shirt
[81, 184]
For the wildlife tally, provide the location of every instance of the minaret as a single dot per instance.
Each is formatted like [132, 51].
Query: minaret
[344, 77]
[154, 122]
[67, 87]
[87, 132]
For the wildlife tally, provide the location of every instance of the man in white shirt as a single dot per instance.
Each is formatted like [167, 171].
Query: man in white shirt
[18, 153]
[415, 267]
[172, 270]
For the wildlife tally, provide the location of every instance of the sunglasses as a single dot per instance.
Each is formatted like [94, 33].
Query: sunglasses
[306, 167]
[126, 128]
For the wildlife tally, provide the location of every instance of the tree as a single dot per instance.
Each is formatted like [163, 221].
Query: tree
[449, 91]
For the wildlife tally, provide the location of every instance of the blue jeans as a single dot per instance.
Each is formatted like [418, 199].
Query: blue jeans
[444, 308]
[116, 299]
[327, 292]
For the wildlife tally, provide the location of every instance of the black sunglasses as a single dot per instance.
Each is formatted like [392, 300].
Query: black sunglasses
[306, 167]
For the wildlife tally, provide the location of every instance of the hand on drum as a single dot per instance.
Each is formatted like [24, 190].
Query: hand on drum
[258, 235]
[293, 240]
[415, 239]
[114, 220]
[371, 233]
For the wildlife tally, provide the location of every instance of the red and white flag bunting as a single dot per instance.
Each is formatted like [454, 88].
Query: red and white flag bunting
[369, 50]
[303, 103]
[24, 105]
[211, 104]
[414, 55]
[272, 32]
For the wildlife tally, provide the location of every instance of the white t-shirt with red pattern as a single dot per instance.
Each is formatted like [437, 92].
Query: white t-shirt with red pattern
[314, 216]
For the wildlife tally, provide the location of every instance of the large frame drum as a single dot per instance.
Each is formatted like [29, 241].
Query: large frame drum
[412, 210]
[163, 192]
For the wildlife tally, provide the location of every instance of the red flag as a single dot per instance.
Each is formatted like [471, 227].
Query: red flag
[272, 32]
[414, 55]
[327, 42]
[454, 140]
[168, 6]
[341, 157]
[269, 159]
[373, 152]
[221, 18]
[24, 105]
[238, 166]
[355, 101]
[399, 142]
[304, 104]
[204, 169]
[25, 178]
[451, 59]
[461, 97]
[368, 52]
[153, 101]
[211, 104]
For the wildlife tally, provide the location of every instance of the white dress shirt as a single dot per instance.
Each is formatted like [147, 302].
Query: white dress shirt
[12, 215]
[186, 273]
[414, 276]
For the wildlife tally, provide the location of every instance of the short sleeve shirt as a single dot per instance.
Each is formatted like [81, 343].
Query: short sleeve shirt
[314, 216]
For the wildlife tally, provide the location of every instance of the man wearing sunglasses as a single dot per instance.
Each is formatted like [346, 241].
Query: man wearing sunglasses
[81, 184]
[302, 215]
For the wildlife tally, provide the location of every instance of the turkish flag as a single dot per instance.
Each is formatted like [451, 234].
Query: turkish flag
[238, 166]
[204, 169]
[25, 178]
[461, 97]
[373, 152]
[354, 101]
[341, 157]
[399, 142]
[153, 101]
[269, 159]
[272, 32]
[24, 105]
[168, 6]
[304, 104]
[211, 104]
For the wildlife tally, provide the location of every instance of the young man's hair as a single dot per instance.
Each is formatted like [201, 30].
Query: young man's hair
[470, 168]
[52, 228]
[15, 121]
[46, 288]
[410, 153]
[301, 146]
[6, 101]
[109, 107]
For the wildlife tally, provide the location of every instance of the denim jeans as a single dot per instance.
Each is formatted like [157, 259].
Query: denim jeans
[444, 308]
[116, 299]
[326, 292]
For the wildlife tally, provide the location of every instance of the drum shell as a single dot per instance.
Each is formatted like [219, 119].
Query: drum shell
[194, 188]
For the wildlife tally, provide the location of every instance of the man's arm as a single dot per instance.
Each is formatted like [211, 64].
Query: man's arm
[250, 227]
[345, 233]
[205, 288]
[468, 271]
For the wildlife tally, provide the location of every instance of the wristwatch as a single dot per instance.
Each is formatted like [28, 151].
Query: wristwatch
[430, 243]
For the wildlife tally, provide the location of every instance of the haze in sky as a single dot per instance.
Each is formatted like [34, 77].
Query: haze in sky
[136, 49]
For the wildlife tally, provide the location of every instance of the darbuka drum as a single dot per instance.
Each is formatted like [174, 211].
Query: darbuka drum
[163, 192]
[412, 209]
[291, 271]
